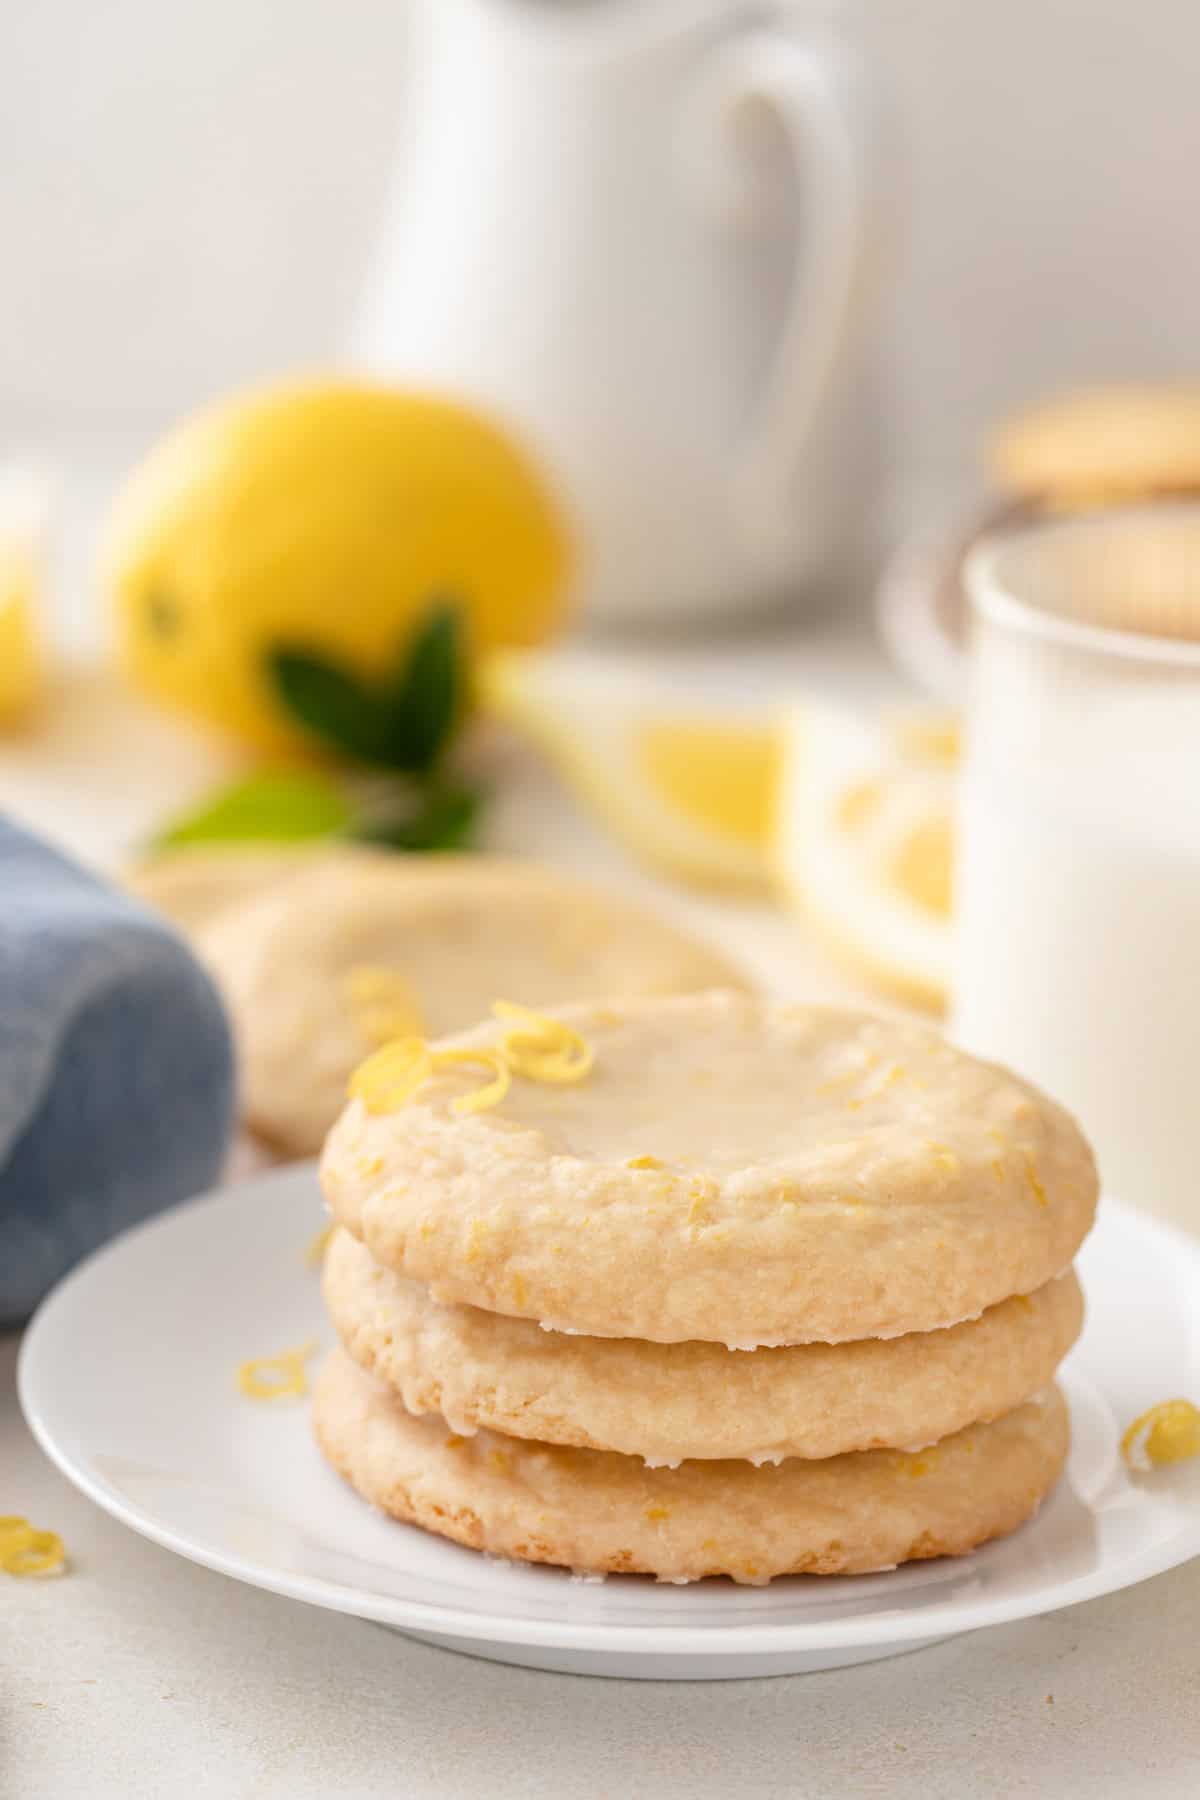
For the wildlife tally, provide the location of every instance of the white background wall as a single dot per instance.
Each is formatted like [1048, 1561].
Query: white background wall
[188, 189]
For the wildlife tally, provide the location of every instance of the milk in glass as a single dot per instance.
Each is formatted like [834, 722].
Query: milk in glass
[1078, 869]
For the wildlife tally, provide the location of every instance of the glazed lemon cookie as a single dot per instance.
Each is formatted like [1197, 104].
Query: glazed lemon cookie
[1103, 445]
[323, 969]
[194, 886]
[715, 1167]
[594, 1511]
[671, 1402]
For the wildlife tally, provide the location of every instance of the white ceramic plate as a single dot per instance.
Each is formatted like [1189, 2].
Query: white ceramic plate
[127, 1379]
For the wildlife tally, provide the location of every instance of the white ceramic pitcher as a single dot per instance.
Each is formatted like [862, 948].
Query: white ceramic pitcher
[640, 232]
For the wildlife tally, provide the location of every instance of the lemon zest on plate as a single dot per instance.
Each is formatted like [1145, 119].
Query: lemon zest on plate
[280, 1377]
[1166, 1433]
[25, 1550]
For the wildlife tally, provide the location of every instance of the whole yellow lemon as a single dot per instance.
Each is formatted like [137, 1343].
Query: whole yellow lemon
[327, 516]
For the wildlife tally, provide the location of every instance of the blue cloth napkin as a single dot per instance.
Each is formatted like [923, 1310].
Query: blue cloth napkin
[116, 1068]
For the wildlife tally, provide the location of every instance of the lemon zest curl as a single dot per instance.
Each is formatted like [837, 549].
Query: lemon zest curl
[481, 1098]
[281, 1377]
[1166, 1433]
[392, 1075]
[536, 1047]
[24, 1550]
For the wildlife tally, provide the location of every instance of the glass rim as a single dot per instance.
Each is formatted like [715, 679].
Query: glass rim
[993, 599]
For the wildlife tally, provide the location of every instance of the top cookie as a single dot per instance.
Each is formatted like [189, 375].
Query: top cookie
[728, 1170]
[322, 968]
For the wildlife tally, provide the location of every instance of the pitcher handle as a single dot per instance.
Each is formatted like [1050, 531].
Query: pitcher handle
[819, 95]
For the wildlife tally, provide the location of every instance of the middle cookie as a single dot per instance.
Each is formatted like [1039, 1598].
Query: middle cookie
[671, 1402]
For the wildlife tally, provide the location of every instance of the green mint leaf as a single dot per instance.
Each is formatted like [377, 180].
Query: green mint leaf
[444, 821]
[330, 702]
[279, 805]
[425, 698]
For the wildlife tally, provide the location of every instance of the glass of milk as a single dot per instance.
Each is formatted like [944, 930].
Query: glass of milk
[1078, 878]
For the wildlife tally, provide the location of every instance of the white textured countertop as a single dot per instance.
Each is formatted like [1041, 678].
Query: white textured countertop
[140, 1675]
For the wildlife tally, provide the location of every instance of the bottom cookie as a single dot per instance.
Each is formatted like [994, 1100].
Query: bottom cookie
[599, 1512]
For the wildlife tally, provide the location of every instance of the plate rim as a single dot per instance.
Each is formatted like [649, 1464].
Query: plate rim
[950, 1618]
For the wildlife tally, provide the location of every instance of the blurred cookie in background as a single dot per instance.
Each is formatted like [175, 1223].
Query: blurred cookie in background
[327, 963]
[192, 887]
[1099, 447]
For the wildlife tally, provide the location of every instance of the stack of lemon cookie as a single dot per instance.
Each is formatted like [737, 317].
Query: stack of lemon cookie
[701, 1286]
